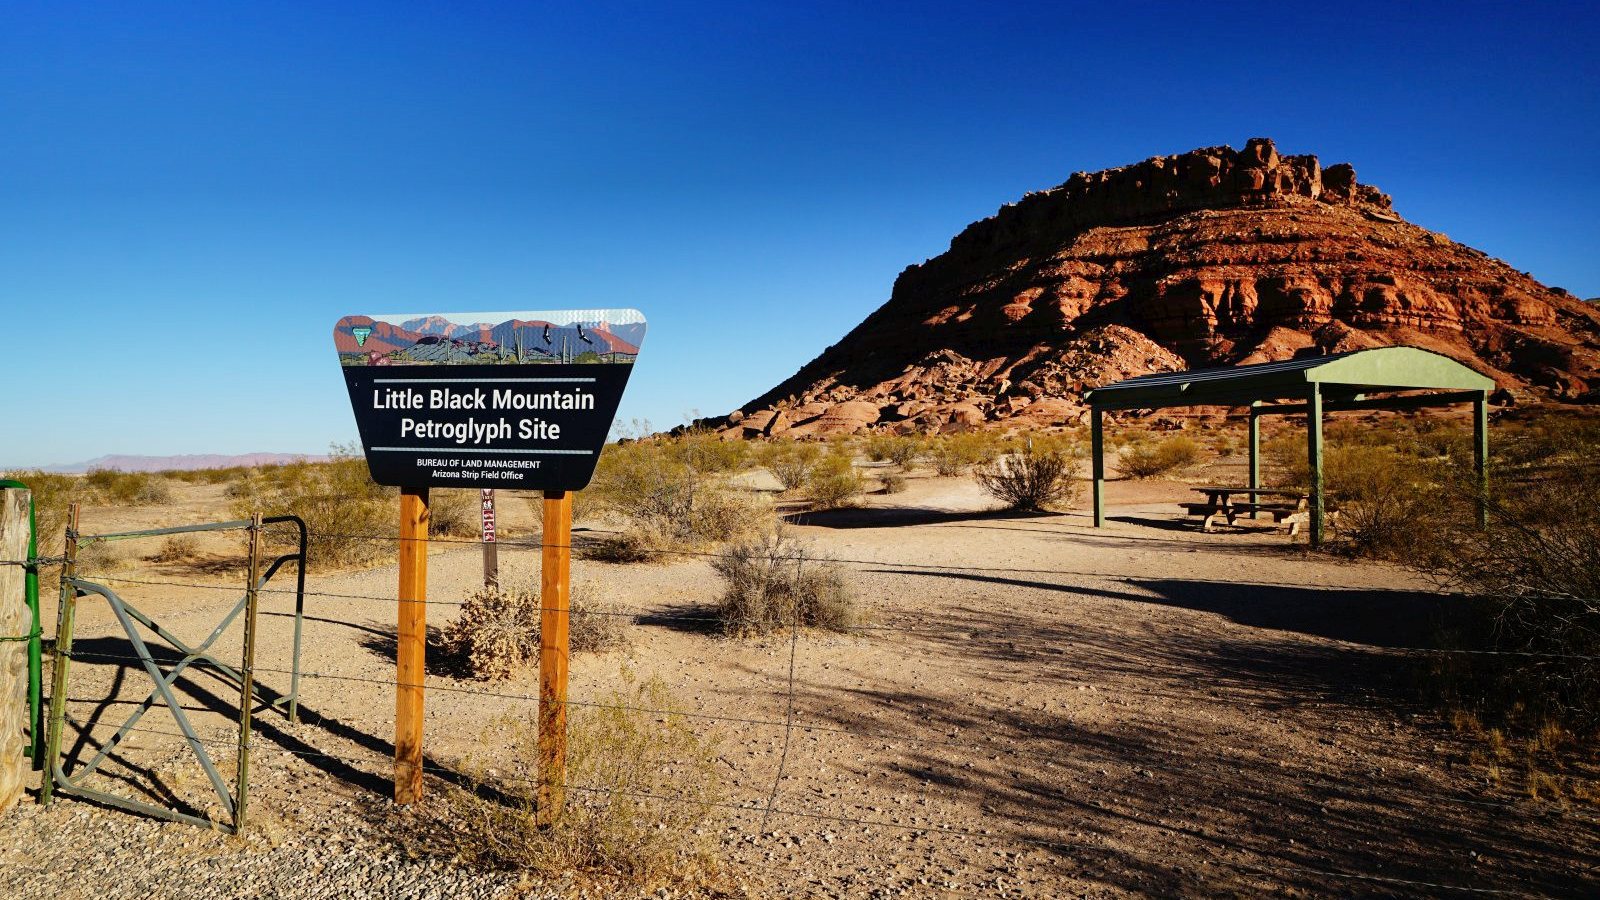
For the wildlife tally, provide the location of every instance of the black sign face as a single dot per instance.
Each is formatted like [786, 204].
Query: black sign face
[524, 403]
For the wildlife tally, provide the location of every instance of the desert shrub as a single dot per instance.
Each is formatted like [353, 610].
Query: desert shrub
[1030, 479]
[666, 504]
[455, 513]
[1535, 574]
[834, 482]
[117, 488]
[496, 634]
[52, 494]
[640, 813]
[177, 548]
[1391, 504]
[708, 453]
[901, 450]
[351, 519]
[952, 454]
[1146, 460]
[893, 483]
[773, 582]
[790, 462]
[97, 557]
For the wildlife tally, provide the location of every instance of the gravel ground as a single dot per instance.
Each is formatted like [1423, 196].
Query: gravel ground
[1046, 709]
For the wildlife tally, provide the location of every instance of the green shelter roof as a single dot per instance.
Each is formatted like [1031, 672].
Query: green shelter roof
[1340, 376]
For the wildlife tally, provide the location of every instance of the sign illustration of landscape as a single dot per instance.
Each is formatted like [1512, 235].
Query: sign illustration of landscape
[519, 401]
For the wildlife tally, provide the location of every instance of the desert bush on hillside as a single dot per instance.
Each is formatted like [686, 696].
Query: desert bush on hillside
[645, 820]
[1147, 460]
[790, 462]
[902, 450]
[117, 488]
[952, 454]
[351, 519]
[1030, 479]
[834, 482]
[773, 582]
[893, 483]
[665, 503]
[708, 453]
[496, 634]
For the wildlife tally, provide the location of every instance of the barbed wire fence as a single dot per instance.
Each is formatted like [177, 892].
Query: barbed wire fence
[767, 805]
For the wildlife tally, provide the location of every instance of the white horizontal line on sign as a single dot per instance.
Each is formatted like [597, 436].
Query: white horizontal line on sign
[482, 380]
[476, 450]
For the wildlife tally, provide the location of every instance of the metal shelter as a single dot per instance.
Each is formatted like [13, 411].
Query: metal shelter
[1312, 386]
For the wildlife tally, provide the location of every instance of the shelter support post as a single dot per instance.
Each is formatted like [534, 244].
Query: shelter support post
[1314, 459]
[1097, 449]
[1480, 449]
[555, 585]
[1255, 454]
[411, 647]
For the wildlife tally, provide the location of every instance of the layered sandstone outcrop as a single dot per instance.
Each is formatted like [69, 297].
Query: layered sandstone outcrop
[1211, 257]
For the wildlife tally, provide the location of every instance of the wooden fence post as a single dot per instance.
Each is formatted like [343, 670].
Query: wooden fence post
[555, 596]
[411, 645]
[16, 623]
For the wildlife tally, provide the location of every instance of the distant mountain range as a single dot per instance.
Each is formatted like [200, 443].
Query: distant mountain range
[183, 462]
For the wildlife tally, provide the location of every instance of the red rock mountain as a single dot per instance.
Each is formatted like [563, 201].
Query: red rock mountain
[1211, 257]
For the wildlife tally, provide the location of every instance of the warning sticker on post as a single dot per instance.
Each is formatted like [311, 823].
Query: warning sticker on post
[520, 401]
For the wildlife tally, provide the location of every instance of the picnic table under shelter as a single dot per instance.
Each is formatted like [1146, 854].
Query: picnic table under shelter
[1403, 377]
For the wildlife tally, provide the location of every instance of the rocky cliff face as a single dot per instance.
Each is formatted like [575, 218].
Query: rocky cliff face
[1211, 257]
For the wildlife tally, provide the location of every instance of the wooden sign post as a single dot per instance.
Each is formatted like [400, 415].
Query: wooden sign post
[555, 593]
[480, 401]
[412, 646]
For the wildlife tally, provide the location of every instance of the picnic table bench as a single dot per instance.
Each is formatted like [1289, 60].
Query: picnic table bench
[1287, 508]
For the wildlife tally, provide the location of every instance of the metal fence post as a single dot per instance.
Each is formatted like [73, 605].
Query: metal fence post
[247, 676]
[63, 656]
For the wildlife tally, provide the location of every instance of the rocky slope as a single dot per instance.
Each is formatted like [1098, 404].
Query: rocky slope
[1211, 257]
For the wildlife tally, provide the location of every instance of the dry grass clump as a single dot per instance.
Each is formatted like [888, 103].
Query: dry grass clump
[834, 482]
[1147, 460]
[953, 454]
[96, 557]
[667, 504]
[893, 483]
[773, 582]
[1033, 478]
[177, 548]
[114, 487]
[642, 802]
[791, 462]
[455, 513]
[351, 518]
[496, 634]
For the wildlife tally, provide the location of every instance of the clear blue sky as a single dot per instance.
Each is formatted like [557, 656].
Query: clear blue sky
[193, 193]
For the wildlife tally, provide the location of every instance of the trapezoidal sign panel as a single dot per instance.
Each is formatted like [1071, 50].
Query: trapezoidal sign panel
[515, 400]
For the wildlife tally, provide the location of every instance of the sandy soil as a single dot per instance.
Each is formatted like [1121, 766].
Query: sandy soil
[1042, 708]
